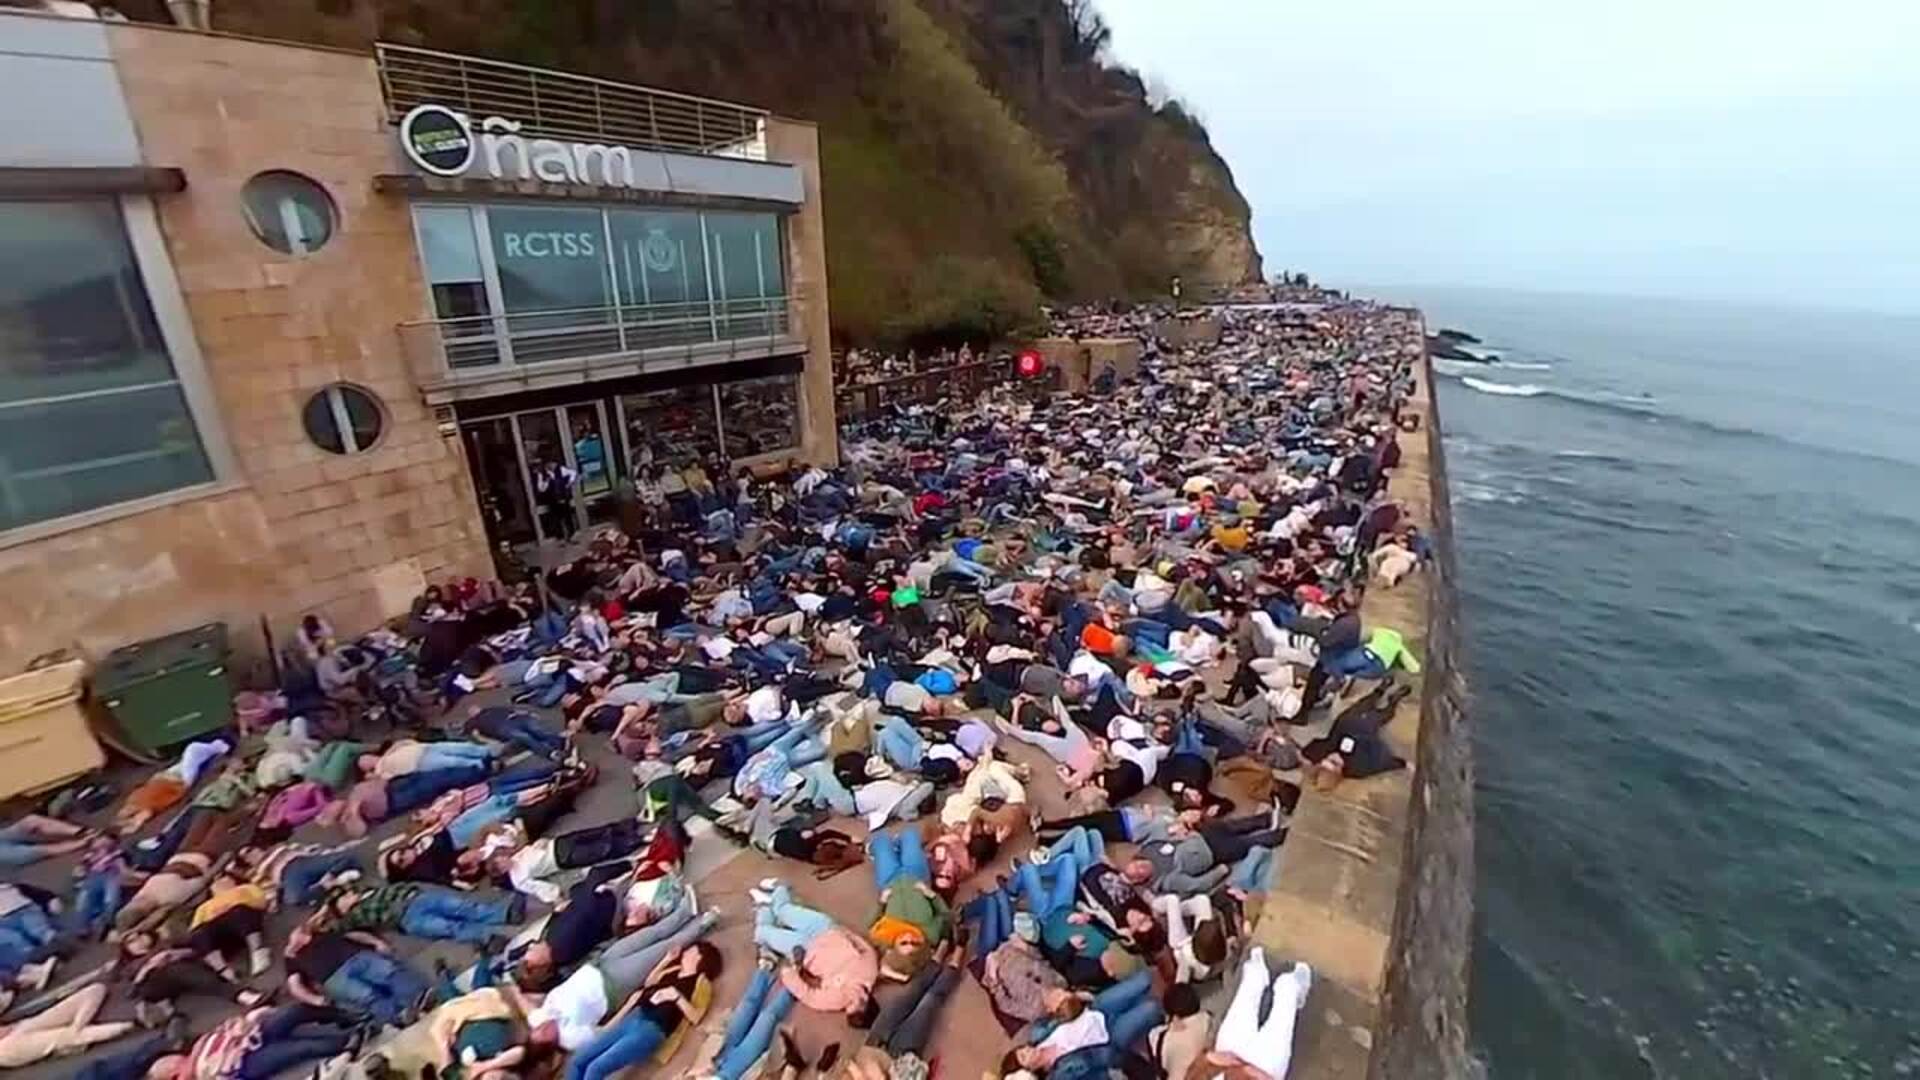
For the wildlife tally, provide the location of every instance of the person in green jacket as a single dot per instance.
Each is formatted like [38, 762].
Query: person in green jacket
[913, 917]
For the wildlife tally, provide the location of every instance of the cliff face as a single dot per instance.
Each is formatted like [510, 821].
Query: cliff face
[979, 155]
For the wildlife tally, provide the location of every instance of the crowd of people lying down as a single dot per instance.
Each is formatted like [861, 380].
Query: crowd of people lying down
[1138, 597]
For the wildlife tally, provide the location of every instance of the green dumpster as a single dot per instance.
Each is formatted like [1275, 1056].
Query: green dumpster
[168, 690]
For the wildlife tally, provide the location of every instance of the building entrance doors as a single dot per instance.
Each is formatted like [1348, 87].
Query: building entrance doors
[542, 475]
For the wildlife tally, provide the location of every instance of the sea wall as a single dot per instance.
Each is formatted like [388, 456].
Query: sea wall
[1374, 887]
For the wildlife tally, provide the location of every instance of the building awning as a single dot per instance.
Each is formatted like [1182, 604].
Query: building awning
[109, 180]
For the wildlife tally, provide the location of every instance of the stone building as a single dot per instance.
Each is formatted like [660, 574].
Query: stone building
[289, 329]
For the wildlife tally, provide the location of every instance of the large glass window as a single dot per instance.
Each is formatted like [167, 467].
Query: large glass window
[582, 281]
[746, 255]
[553, 281]
[761, 415]
[91, 411]
[669, 427]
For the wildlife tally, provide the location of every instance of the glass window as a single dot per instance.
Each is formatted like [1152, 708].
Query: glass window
[669, 427]
[550, 259]
[343, 419]
[452, 257]
[746, 255]
[762, 415]
[657, 254]
[91, 412]
[288, 212]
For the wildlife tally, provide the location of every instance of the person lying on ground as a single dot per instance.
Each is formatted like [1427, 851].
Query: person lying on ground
[516, 728]
[1178, 858]
[569, 1016]
[912, 916]
[161, 976]
[404, 756]
[259, 1045]
[585, 917]
[1084, 1036]
[673, 998]
[33, 837]
[1255, 1040]
[355, 972]
[423, 911]
[66, 1028]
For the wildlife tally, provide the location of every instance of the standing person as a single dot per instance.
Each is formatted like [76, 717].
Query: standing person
[553, 486]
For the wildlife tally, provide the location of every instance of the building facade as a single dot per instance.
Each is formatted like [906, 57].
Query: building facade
[287, 329]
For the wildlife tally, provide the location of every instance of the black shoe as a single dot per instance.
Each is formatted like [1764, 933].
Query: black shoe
[827, 1058]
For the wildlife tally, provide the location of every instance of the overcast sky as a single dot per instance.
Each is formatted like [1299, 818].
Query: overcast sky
[1758, 150]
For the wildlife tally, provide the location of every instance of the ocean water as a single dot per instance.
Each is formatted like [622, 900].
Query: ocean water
[1689, 539]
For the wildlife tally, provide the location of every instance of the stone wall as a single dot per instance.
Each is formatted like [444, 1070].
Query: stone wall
[797, 143]
[1423, 1009]
[1374, 885]
[293, 528]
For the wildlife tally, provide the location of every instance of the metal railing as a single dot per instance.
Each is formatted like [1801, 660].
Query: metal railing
[560, 105]
[440, 349]
[858, 402]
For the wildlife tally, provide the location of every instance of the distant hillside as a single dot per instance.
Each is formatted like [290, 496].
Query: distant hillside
[979, 155]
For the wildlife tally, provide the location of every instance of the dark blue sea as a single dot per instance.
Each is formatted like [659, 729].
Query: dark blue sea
[1689, 539]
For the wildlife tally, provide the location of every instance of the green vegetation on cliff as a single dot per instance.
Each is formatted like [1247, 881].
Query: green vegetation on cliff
[979, 155]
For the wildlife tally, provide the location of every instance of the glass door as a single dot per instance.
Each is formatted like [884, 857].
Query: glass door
[592, 461]
[493, 459]
[551, 474]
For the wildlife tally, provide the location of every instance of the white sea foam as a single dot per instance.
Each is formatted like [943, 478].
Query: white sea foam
[1486, 386]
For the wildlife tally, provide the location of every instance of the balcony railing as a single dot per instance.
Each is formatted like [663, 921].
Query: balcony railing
[478, 346]
[859, 402]
[560, 105]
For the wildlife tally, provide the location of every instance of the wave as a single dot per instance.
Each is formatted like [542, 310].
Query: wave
[1524, 365]
[1486, 386]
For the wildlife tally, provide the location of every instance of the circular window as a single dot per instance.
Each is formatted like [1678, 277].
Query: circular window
[288, 212]
[343, 419]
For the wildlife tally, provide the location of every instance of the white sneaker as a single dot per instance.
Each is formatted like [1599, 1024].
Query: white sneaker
[760, 896]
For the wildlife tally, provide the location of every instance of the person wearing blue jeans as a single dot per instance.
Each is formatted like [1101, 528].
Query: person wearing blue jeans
[452, 755]
[657, 1008]
[26, 934]
[1187, 740]
[782, 926]
[894, 857]
[1085, 845]
[1128, 1007]
[1253, 871]
[993, 911]
[35, 837]
[822, 787]
[450, 915]
[300, 880]
[1148, 632]
[353, 972]
[801, 746]
[517, 728]
[1044, 897]
[755, 1020]
[900, 744]
[416, 789]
